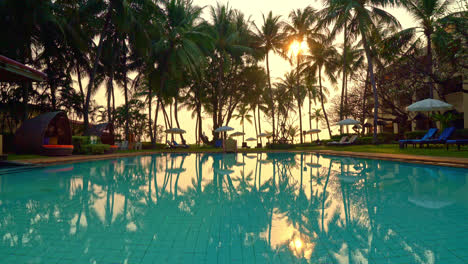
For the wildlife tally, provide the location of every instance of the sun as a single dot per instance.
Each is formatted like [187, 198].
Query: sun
[297, 47]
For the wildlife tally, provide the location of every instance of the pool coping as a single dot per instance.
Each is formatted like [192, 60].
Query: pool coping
[428, 160]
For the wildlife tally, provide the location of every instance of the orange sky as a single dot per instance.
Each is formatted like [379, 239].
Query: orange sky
[278, 66]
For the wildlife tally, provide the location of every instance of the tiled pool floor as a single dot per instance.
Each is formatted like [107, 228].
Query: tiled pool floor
[254, 208]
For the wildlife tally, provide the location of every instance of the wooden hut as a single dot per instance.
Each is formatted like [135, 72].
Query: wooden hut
[47, 134]
[105, 132]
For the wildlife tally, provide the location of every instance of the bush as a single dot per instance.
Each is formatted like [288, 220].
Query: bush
[8, 143]
[78, 143]
[94, 149]
[415, 134]
[148, 145]
[460, 134]
[280, 146]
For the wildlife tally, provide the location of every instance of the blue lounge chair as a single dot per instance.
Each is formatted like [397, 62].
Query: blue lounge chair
[218, 143]
[176, 145]
[441, 139]
[457, 142]
[430, 133]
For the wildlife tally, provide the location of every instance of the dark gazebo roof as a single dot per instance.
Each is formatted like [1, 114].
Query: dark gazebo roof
[30, 136]
[97, 130]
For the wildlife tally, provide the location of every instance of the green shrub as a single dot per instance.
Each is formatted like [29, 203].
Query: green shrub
[415, 134]
[94, 149]
[78, 143]
[280, 146]
[148, 145]
[460, 134]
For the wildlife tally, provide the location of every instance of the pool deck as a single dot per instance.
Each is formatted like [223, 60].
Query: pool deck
[430, 160]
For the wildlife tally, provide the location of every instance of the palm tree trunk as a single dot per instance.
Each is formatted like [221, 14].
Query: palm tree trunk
[255, 122]
[150, 99]
[344, 75]
[176, 117]
[300, 121]
[299, 99]
[92, 75]
[271, 95]
[364, 101]
[323, 105]
[156, 121]
[310, 115]
[127, 117]
[429, 65]
[200, 129]
[259, 123]
[374, 88]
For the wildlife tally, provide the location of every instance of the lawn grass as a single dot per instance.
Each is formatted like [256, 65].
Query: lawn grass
[435, 151]
[25, 156]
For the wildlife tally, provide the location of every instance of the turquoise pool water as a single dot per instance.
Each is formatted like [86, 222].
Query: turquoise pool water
[254, 208]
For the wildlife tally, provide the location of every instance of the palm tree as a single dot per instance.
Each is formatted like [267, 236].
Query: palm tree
[298, 30]
[179, 48]
[226, 32]
[271, 38]
[322, 59]
[362, 16]
[243, 115]
[313, 94]
[428, 14]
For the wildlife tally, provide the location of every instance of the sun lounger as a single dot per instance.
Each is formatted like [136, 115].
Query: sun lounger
[457, 142]
[351, 141]
[342, 140]
[441, 139]
[177, 145]
[430, 133]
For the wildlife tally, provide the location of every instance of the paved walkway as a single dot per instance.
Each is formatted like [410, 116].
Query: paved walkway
[440, 161]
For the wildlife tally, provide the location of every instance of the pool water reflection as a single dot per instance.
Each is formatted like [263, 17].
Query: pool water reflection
[235, 208]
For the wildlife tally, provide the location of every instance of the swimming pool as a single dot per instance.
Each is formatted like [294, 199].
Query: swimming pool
[244, 208]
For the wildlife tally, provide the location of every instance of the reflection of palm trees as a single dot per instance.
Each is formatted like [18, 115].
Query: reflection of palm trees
[326, 219]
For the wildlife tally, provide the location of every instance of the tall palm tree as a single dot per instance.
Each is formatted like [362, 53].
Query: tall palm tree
[352, 60]
[243, 115]
[313, 94]
[299, 28]
[361, 16]
[428, 14]
[271, 38]
[180, 47]
[323, 58]
[225, 31]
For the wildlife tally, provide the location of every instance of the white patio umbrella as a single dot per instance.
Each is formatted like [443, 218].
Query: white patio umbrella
[347, 122]
[175, 130]
[251, 139]
[236, 134]
[428, 105]
[313, 131]
[264, 135]
[223, 129]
